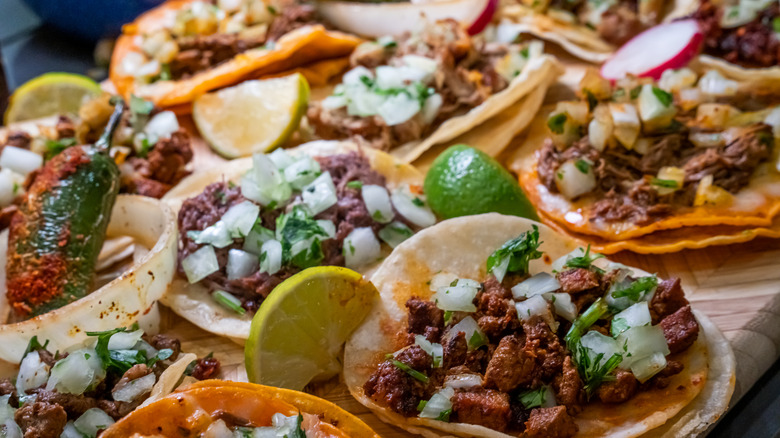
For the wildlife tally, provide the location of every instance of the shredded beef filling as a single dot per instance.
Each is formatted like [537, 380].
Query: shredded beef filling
[754, 44]
[465, 78]
[623, 177]
[349, 213]
[619, 23]
[520, 357]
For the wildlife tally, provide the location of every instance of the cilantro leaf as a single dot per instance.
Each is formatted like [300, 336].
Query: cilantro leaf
[592, 371]
[664, 97]
[533, 398]
[556, 123]
[298, 227]
[298, 431]
[634, 93]
[54, 147]
[516, 254]
[666, 183]
[592, 101]
[34, 345]
[445, 415]
[582, 165]
[638, 288]
[585, 261]
[140, 110]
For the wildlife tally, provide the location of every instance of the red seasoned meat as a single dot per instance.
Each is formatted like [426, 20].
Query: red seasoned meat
[668, 297]
[74, 405]
[568, 385]
[496, 327]
[201, 52]
[292, 15]
[552, 422]
[511, 366]
[415, 357]
[661, 380]
[19, 139]
[619, 24]
[680, 329]
[455, 351]
[41, 420]
[544, 345]
[484, 407]
[393, 388]
[7, 387]
[619, 390]
[161, 169]
[423, 314]
[578, 280]
[206, 368]
[492, 287]
[162, 342]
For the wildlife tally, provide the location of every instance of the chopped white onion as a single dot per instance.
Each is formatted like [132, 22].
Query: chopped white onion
[335, 102]
[457, 298]
[560, 262]
[219, 429]
[431, 108]
[320, 194]
[240, 264]
[412, 207]
[33, 372]
[563, 305]
[469, 327]
[135, 388]
[92, 421]
[217, 235]
[398, 109]
[6, 410]
[328, 227]
[773, 119]
[70, 431]
[428, 65]
[125, 340]
[646, 367]
[395, 233]
[436, 351]
[625, 122]
[10, 182]
[643, 341]
[284, 425]
[715, 84]
[536, 306]
[131, 63]
[200, 264]
[151, 68]
[675, 80]
[162, 125]
[439, 403]
[253, 242]
[651, 109]
[281, 158]
[11, 430]
[271, 257]
[302, 172]
[572, 181]
[75, 373]
[20, 160]
[377, 202]
[264, 183]
[240, 218]
[463, 381]
[635, 316]
[539, 284]
[353, 76]
[595, 343]
[361, 248]
[441, 280]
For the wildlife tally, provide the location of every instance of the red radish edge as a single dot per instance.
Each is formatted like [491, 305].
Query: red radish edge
[484, 18]
[651, 44]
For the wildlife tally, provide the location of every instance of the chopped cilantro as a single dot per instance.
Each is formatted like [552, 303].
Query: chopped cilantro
[556, 123]
[123, 360]
[34, 345]
[585, 261]
[447, 317]
[592, 371]
[582, 165]
[638, 288]
[516, 253]
[592, 101]
[666, 183]
[410, 371]
[634, 93]
[533, 398]
[620, 92]
[54, 147]
[559, 174]
[776, 24]
[664, 97]
[299, 226]
[272, 10]
[421, 405]
[524, 52]
[477, 340]
[140, 110]
[298, 432]
[418, 202]
[377, 216]
[146, 146]
[445, 415]
[357, 185]
[165, 72]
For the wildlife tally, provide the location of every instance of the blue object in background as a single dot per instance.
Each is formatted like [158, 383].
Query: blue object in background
[89, 19]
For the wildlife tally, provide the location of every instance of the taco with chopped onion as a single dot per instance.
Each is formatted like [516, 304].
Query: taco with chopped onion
[85, 388]
[741, 39]
[407, 94]
[248, 225]
[691, 150]
[217, 408]
[494, 326]
[588, 29]
[185, 48]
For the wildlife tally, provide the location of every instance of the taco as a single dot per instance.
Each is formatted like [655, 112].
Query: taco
[221, 408]
[87, 387]
[590, 30]
[623, 161]
[408, 94]
[484, 335]
[246, 226]
[184, 48]
[741, 39]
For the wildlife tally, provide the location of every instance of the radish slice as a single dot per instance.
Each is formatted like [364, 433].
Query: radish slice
[667, 46]
[381, 19]
[485, 17]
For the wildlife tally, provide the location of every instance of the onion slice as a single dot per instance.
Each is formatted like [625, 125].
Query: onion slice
[119, 303]
[663, 47]
[380, 19]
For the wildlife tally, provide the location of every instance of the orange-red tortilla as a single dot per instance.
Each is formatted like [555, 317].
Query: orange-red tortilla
[755, 206]
[303, 46]
[190, 410]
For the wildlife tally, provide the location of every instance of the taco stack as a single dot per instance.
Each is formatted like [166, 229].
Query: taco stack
[324, 203]
[184, 48]
[685, 162]
[510, 330]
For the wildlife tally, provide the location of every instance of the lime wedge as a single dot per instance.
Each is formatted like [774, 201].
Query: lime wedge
[50, 94]
[463, 181]
[254, 116]
[300, 329]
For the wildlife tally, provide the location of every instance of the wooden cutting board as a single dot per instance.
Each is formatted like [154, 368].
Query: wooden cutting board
[737, 286]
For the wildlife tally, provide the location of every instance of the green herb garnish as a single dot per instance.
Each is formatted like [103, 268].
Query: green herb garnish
[636, 289]
[592, 101]
[516, 253]
[357, 185]
[634, 93]
[533, 398]
[582, 165]
[556, 123]
[666, 183]
[54, 147]
[585, 261]
[410, 371]
[664, 97]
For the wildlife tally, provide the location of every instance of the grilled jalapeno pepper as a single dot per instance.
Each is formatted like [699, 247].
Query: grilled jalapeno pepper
[57, 233]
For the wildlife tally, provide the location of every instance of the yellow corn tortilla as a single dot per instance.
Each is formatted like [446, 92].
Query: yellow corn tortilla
[706, 382]
[193, 301]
